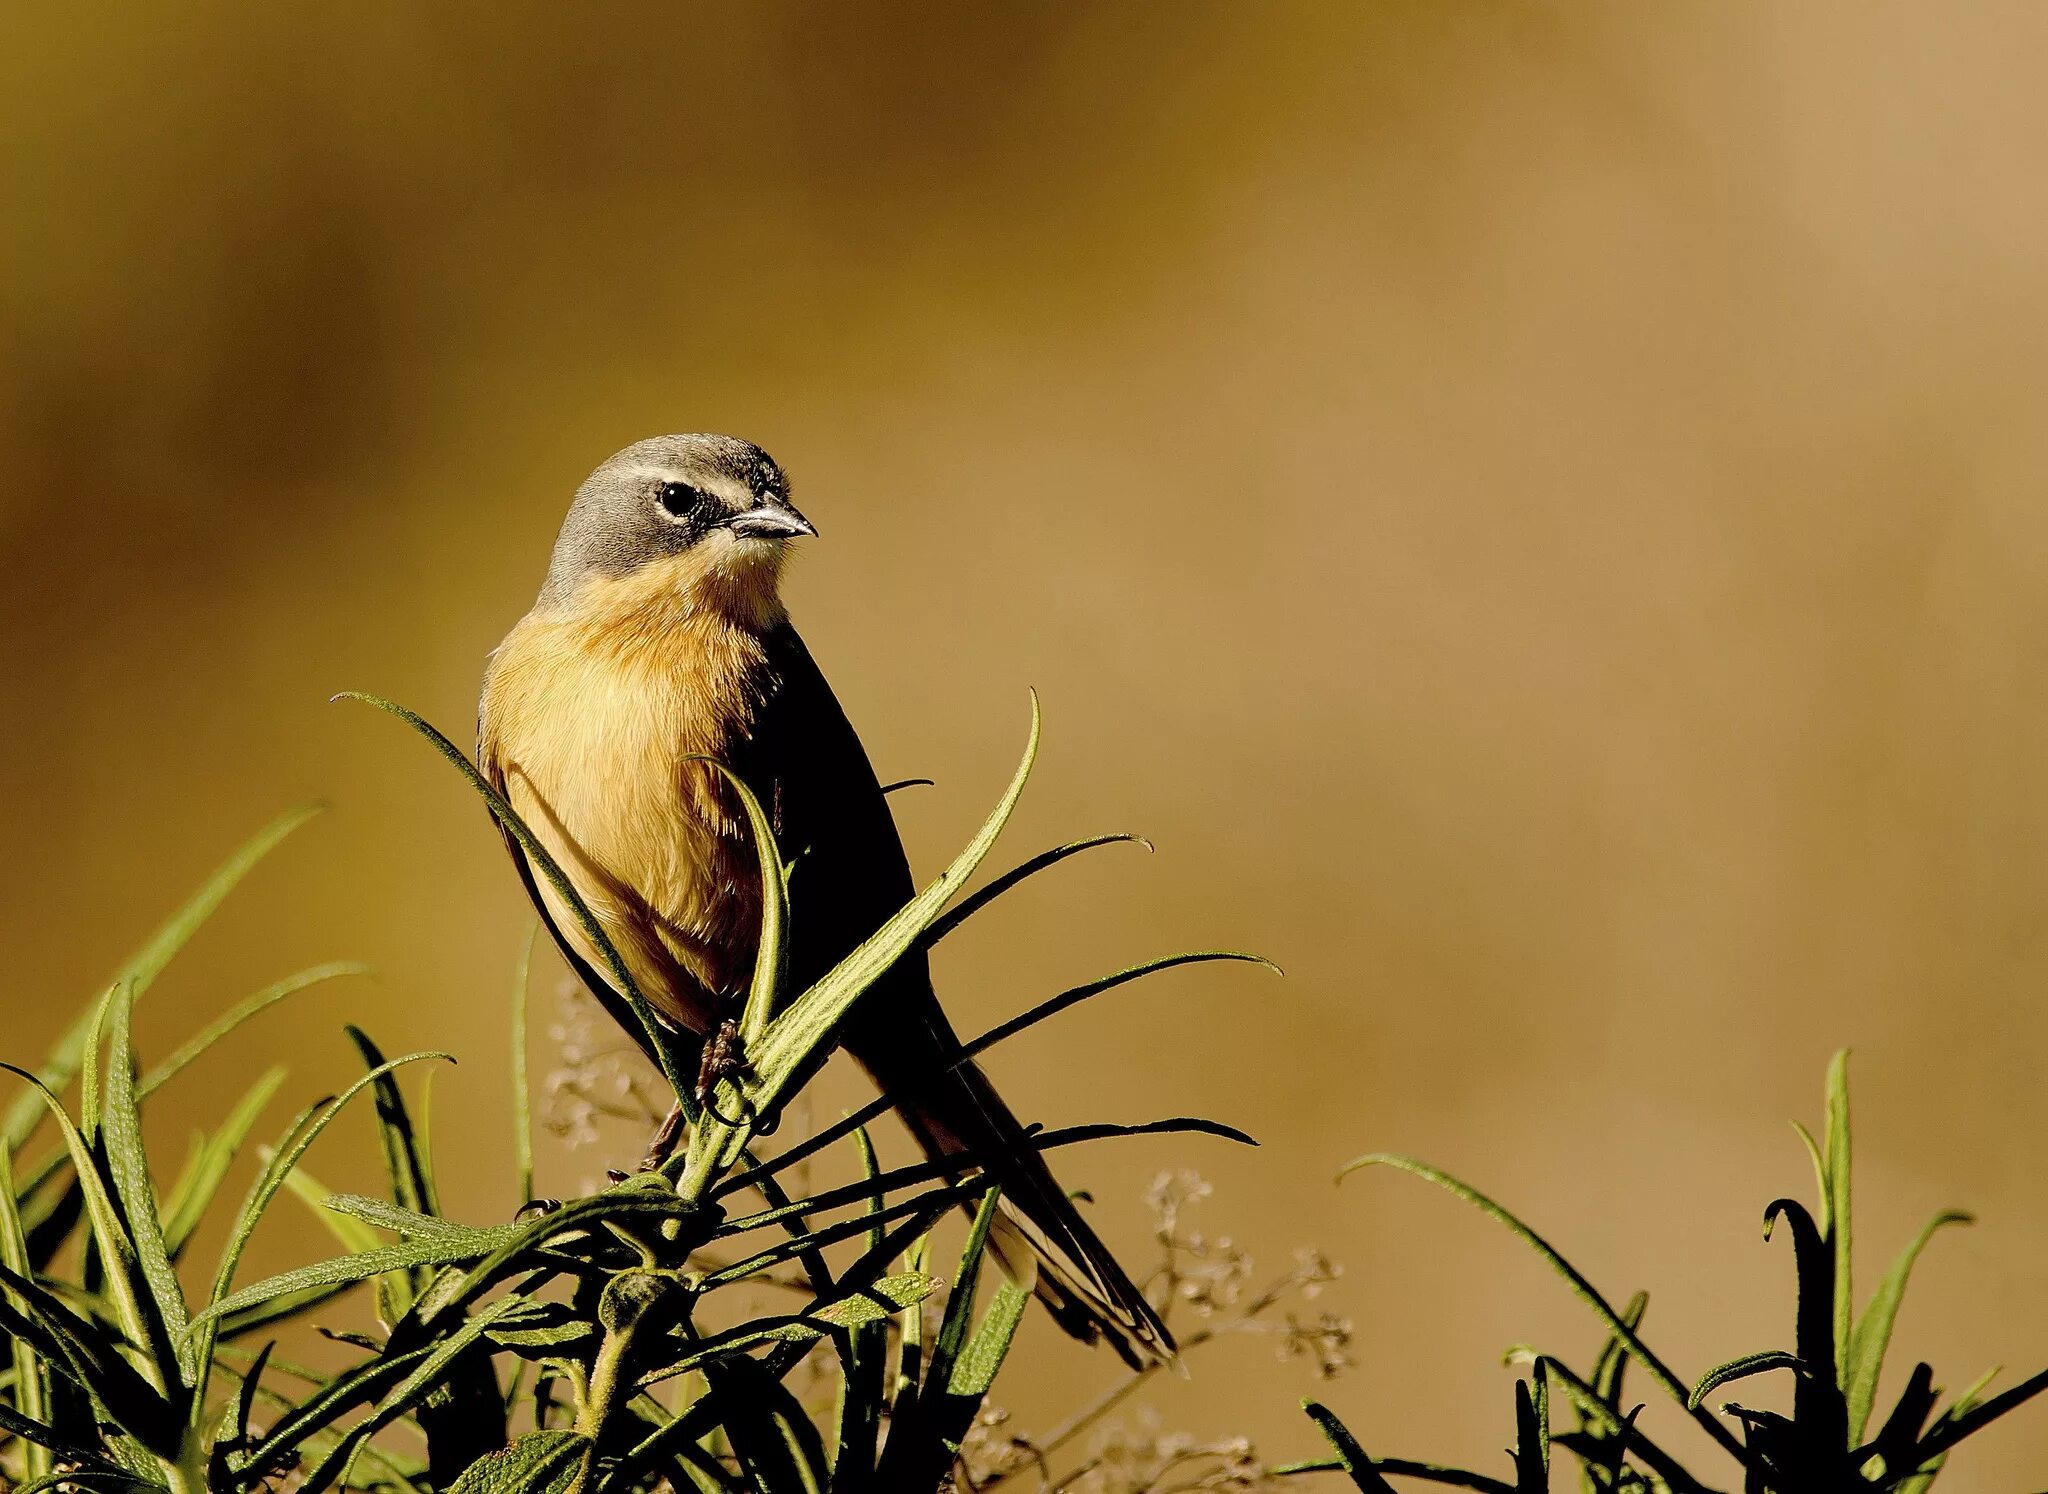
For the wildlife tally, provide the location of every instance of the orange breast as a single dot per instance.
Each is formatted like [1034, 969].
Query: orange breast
[590, 722]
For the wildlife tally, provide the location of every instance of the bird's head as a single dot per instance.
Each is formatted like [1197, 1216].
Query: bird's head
[694, 514]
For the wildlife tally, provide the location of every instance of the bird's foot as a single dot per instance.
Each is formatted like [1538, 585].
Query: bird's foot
[724, 1057]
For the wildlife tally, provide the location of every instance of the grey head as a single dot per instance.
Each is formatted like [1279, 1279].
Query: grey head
[666, 495]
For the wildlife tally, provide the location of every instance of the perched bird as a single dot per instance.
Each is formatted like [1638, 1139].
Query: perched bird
[658, 640]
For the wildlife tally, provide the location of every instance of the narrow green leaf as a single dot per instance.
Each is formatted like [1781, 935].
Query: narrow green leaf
[405, 1161]
[1352, 1458]
[196, 1047]
[1873, 1331]
[361, 1265]
[409, 1392]
[89, 1066]
[974, 1372]
[1835, 1139]
[302, 1134]
[811, 1019]
[522, 1084]
[1614, 1424]
[981, 897]
[1741, 1369]
[89, 1354]
[845, 1126]
[116, 1249]
[143, 967]
[651, 1028]
[959, 1312]
[536, 1463]
[386, 1215]
[193, 1194]
[1580, 1286]
[715, 1141]
[128, 1162]
[31, 1393]
[1823, 1208]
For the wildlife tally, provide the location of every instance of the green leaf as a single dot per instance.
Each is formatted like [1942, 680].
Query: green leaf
[410, 1169]
[982, 897]
[771, 1433]
[409, 1393]
[1835, 1144]
[1580, 1286]
[536, 1463]
[1613, 1424]
[350, 1233]
[88, 1354]
[1873, 1332]
[128, 1162]
[428, 1250]
[522, 1084]
[386, 1215]
[31, 1392]
[959, 1313]
[408, 1162]
[190, 1197]
[303, 1132]
[658, 1040]
[872, 1304]
[714, 1140]
[863, 1357]
[64, 1059]
[196, 1047]
[848, 1124]
[811, 1019]
[1741, 1369]
[974, 1372]
[1351, 1458]
[116, 1249]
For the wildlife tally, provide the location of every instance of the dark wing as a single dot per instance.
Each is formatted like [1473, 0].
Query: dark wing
[807, 766]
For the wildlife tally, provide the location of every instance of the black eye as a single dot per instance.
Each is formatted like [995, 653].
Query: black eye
[679, 499]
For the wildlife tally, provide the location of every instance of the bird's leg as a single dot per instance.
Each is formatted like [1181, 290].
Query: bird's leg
[664, 1142]
[724, 1057]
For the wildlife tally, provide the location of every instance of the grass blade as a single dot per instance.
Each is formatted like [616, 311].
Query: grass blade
[302, 1134]
[194, 1193]
[63, 1062]
[31, 1395]
[522, 1090]
[1581, 1288]
[128, 1162]
[1741, 1369]
[657, 1036]
[1352, 1458]
[981, 897]
[810, 1020]
[1835, 1147]
[1873, 1331]
[116, 1249]
[197, 1045]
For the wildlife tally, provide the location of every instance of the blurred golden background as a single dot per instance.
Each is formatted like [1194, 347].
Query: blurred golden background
[1536, 509]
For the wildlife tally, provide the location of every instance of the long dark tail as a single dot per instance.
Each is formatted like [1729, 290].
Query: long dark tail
[1040, 1238]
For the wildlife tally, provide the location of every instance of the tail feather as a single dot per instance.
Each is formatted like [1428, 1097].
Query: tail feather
[1040, 1238]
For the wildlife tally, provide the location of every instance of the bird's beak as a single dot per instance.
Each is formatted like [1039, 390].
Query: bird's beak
[772, 518]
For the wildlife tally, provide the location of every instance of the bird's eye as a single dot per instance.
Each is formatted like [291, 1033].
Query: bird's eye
[679, 499]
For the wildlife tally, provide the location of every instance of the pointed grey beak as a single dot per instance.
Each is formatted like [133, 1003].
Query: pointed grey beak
[774, 518]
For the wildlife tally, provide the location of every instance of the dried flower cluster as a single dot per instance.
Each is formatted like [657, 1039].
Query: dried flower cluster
[1198, 1275]
[598, 1073]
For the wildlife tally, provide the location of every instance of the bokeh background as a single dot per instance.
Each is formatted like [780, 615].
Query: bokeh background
[1538, 511]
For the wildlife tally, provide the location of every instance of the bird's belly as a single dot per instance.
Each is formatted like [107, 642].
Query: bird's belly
[608, 778]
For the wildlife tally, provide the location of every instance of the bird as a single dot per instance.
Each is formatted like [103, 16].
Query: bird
[659, 645]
